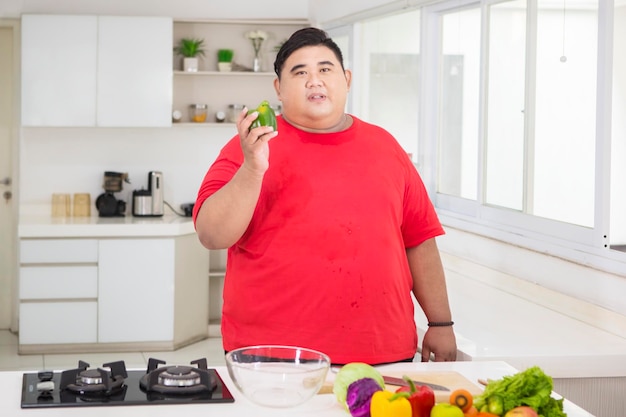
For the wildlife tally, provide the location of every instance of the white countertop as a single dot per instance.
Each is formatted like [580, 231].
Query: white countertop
[45, 226]
[324, 405]
[503, 318]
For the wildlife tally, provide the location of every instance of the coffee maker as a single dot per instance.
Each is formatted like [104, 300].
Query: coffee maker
[106, 203]
[149, 203]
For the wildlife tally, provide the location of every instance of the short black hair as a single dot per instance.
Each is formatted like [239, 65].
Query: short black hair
[308, 36]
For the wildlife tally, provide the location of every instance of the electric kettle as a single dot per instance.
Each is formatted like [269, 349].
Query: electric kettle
[149, 203]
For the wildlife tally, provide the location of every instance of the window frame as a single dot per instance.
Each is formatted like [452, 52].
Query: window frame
[580, 244]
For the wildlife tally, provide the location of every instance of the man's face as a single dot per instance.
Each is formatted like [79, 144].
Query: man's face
[313, 89]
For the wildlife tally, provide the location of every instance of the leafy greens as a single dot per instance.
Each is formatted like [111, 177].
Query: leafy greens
[531, 387]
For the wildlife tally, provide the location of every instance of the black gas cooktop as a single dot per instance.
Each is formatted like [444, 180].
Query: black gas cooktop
[111, 384]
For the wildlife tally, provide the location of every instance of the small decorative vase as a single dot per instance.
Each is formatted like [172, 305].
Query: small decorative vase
[224, 66]
[256, 64]
[190, 64]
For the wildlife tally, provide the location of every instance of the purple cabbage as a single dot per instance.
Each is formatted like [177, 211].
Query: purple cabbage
[359, 396]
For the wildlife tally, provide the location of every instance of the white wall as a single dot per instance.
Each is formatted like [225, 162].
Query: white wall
[178, 9]
[335, 12]
[73, 160]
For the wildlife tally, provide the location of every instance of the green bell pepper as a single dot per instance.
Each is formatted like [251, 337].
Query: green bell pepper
[266, 116]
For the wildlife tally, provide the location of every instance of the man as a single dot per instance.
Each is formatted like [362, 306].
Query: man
[327, 224]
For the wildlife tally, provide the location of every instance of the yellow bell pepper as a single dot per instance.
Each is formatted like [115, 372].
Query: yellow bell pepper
[389, 404]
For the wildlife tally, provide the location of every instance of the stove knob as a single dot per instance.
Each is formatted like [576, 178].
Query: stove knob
[45, 386]
[44, 376]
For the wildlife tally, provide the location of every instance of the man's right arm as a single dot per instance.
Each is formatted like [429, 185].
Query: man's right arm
[226, 214]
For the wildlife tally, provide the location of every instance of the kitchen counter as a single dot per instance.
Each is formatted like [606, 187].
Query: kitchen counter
[45, 226]
[129, 283]
[503, 318]
[499, 317]
[323, 405]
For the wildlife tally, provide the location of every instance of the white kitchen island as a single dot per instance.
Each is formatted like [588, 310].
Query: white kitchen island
[115, 283]
[322, 405]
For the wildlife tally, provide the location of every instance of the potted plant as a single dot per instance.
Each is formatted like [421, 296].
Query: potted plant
[190, 49]
[225, 59]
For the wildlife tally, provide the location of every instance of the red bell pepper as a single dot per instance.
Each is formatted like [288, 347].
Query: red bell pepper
[422, 398]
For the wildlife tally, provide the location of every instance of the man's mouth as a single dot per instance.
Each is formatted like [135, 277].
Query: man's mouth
[317, 97]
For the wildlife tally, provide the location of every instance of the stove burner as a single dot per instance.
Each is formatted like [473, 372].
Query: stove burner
[90, 377]
[179, 376]
[178, 380]
[94, 381]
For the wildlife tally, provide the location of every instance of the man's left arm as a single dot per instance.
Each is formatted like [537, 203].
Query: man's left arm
[429, 287]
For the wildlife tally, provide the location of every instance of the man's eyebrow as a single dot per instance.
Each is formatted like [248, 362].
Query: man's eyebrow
[296, 67]
[321, 63]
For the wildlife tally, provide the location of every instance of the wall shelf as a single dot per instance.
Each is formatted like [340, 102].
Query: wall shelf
[206, 124]
[219, 89]
[226, 73]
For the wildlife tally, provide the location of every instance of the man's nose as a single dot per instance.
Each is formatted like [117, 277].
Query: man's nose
[313, 81]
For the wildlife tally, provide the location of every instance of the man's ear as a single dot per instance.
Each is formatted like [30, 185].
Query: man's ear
[277, 87]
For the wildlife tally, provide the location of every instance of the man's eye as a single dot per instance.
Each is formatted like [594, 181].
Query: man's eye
[325, 70]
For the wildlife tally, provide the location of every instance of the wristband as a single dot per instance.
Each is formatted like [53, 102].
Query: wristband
[440, 323]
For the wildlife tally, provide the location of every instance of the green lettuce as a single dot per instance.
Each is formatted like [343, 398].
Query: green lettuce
[531, 387]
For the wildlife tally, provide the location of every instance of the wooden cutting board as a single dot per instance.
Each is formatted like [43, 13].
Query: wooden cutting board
[452, 380]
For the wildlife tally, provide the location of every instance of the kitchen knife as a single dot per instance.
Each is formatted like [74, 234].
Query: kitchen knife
[390, 380]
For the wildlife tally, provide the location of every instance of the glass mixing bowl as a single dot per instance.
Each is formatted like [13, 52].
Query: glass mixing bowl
[277, 376]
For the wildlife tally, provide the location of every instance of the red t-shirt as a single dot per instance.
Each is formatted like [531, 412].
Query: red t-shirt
[323, 263]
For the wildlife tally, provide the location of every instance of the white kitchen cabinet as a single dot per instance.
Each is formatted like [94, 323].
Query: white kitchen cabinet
[136, 290]
[59, 67]
[131, 292]
[40, 282]
[96, 71]
[58, 251]
[58, 294]
[51, 323]
[134, 71]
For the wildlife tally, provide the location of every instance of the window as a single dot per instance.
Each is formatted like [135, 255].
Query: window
[506, 63]
[460, 80]
[387, 75]
[618, 132]
[520, 149]
[562, 159]
[545, 168]
[516, 111]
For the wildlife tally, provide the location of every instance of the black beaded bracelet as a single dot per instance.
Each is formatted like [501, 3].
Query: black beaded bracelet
[440, 323]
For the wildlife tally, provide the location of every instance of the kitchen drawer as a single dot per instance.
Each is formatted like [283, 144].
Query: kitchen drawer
[58, 251]
[58, 322]
[51, 282]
